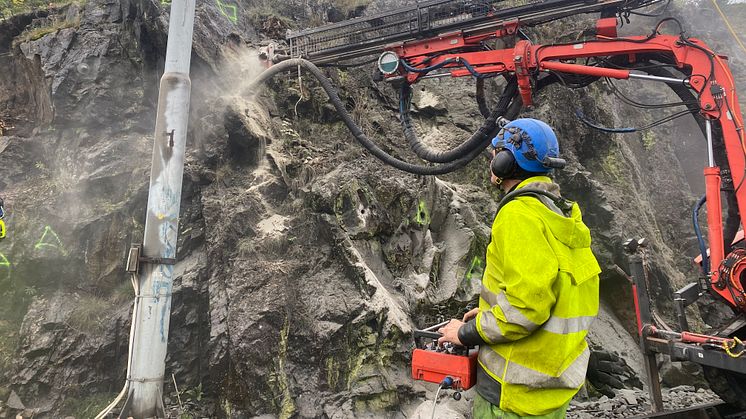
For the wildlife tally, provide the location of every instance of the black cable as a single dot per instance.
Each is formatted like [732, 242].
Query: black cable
[618, 93]
[293, 64]
[579, 114]
[348, 65]
[485, 132]
[685, 94]
[611, 64]
[573, 81]
[428, 69]
[659, 13]
[698, 233]
[474, 72]
[628, 130]
[739, 132]
[443, 63]
[524, 35]
[670, 19]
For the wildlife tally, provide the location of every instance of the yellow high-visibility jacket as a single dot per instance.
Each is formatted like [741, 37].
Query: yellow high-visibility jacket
[539, 297]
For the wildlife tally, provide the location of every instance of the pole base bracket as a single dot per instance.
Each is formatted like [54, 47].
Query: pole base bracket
[135, 258]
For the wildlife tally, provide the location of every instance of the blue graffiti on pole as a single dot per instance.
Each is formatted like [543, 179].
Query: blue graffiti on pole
[166, 211]
[168, 239]
[162, 289]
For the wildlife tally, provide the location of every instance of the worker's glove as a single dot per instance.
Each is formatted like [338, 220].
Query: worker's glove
[608, 371]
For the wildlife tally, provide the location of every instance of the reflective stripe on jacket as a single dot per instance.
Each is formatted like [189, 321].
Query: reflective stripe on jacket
[539, 297]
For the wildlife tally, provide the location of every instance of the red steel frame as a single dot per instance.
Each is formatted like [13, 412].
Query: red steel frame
[526, 59]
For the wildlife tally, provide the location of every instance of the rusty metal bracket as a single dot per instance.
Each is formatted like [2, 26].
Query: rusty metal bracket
[134, 259]
[170, 136]
[158, 261]
[635, 249]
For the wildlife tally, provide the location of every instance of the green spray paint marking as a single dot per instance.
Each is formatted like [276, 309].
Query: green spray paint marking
[228, 10]
[475, 263]
[423, 215]
[50, 239]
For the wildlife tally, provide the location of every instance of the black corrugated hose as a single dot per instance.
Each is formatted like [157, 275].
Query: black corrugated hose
[476, 141]
[294, 63]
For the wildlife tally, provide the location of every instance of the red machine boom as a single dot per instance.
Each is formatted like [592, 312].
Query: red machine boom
[710, 78]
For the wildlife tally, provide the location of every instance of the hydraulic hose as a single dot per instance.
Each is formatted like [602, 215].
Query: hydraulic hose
[334, 99]
[732, 220]
[477, 140]
[481, 101]
[489, 128]
[682, 92]
[698, 232]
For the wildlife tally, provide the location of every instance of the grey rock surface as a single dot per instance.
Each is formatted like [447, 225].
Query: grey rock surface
[304, 263]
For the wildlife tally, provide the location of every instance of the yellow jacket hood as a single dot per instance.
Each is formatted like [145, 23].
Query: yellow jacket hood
[569, 230]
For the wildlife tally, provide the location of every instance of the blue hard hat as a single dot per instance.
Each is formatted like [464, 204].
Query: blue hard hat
[530, 141]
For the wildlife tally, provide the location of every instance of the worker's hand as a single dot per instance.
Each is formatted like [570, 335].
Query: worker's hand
[450, 332]
[471, 314]
[607, 371]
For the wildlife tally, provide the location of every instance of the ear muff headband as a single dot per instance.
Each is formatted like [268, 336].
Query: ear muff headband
[503, 164]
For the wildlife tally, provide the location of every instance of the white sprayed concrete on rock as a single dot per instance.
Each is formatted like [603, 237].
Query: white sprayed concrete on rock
[428, 99]
[273, 226]
[381, 300]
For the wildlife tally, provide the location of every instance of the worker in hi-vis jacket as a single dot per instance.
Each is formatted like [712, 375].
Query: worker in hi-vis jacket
[539, 290]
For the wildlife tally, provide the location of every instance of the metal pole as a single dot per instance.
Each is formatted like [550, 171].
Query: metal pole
[645, 318]
[710, 154]
[153, 302]
[669, 80]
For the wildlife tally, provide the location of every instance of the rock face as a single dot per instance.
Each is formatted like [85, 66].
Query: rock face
[304, 263]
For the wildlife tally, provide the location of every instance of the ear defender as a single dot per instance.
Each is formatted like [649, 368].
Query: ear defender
[503, 164]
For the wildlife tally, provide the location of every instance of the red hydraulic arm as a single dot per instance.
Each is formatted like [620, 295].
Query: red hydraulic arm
[710, 79]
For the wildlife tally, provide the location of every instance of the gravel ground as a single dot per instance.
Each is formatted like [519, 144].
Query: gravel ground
[628, 403]
[635, 402]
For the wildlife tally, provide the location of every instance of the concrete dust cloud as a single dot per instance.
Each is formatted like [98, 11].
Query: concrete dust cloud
[242, 65]
[222, 98]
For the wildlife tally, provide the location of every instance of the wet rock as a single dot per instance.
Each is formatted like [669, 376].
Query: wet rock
[675, 374]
